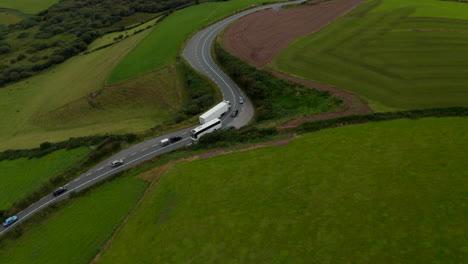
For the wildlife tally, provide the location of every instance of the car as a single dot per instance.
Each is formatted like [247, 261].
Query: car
[10, 220]
[241, 100]
[175, 139]
[234, 113]
[59, 191]
[116, 163]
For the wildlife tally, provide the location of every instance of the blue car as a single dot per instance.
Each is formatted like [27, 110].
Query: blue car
[10, 220]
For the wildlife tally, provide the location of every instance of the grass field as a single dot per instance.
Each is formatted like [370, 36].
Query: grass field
[56, 104]
[75, 233]
[396, 54]
[9, 18]
[22, 176]
[27, 6]
[111, 37]
[390, 192]
[161, 46]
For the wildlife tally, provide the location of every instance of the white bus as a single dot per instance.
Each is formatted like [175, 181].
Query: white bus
[208, 127]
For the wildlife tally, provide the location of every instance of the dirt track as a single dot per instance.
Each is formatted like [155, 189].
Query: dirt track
[257, 38]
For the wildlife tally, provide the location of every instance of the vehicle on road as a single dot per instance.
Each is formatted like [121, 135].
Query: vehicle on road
[59, 191]
[216, 112]
[10, 220]
[234, 113]
[209, 127]
[241, 100]
[165, 142]
[175, 139]
[116, 163]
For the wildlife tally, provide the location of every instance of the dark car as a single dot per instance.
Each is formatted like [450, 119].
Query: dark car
[59, 191]
[10, 220]
[175, 139]
[234, 113]
[116, 163]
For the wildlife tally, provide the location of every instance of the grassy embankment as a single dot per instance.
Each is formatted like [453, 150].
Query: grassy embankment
[162, 45]
[22, 176]
[76, 232]
[396, 54]
[57, 104]
[390, 192]
[27, 6]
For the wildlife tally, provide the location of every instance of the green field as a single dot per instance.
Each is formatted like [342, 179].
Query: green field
[75, 233]
[9, 18]
[389, 192]
[111, 37]
[59, 103]
[23, 176]
[162, 45]
[27, 6]
[396, 54]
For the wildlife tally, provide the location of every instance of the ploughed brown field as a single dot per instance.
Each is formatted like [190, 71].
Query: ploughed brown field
[259, 37]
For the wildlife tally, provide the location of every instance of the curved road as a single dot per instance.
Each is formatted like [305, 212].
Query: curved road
[198, 54]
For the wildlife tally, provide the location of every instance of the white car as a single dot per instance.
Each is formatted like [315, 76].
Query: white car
[116, 163]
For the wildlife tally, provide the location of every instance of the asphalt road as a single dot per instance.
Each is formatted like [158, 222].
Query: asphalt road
[198, 54]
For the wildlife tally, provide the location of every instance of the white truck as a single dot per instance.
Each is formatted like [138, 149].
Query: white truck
[165, 142]
[216, 112]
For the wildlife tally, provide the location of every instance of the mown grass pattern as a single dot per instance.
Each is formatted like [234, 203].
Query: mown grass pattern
[390, 55]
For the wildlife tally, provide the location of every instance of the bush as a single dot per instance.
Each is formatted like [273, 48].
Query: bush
[273, 97]
[375, 117]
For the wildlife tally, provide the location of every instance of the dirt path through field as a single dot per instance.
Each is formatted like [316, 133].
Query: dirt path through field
[259, 37]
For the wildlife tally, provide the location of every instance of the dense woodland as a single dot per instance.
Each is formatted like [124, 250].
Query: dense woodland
[65, 30]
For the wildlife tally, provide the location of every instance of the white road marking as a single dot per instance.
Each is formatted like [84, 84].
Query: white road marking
[133, 154]
[77, 179]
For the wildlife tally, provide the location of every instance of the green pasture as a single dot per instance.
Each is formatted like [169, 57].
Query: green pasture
[391, 53]
[112, 37]
[389, 192]
[164, 42]
[21, 177]
[70, 100]
[75, 233]
[9, 18]
[427, 8]
[27, 6]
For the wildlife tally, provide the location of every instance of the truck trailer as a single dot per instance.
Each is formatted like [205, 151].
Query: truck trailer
[215, 112]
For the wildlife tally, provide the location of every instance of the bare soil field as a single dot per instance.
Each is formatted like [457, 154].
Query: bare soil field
[259, 37]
